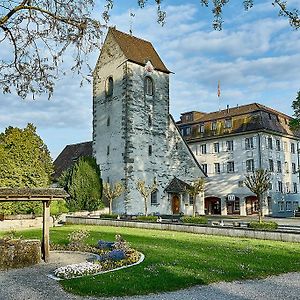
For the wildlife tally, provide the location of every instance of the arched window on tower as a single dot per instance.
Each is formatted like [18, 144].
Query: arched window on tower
[109, 86]
[148, 85]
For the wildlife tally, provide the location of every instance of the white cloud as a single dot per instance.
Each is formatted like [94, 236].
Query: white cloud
[256, 57]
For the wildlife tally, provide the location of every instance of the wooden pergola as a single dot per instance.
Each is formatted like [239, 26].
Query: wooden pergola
[45, 195]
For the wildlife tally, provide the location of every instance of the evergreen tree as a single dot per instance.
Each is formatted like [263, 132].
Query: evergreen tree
[84, 185]
[24, 162]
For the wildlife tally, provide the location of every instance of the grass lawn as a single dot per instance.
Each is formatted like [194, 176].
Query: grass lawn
[175, 260]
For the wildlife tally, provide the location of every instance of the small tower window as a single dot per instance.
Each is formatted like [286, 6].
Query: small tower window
[149, 121]
[148, 86]
[109, 86]
[108, 121]
[107, 150]
[150, 150]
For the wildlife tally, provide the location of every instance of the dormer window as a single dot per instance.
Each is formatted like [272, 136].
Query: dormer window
[109, 87]
[228, 123]
[148, 86]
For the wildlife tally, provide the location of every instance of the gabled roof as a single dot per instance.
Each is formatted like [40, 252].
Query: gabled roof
[138, 50]
[177, 186]
[70, 155]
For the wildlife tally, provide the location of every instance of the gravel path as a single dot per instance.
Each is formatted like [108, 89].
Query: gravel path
[33, 284]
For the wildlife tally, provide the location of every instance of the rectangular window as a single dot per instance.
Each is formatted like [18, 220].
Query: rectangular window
[241, 183]
[203, 149]
[214, 125]
[287, 187]
[271, 165]
[288, 205]
[285, 147]
[295, 205]
[270, 186]
[286, 167]
[154, 198]
[204, 166]
[250, 165]
[107, 150]
[230, 167]
[249, 143]
[229, 145]
[217, 168]
[228, 123]
[188, 130]
[236, 205]
[216, 147]
[293, 148]
[294, 168]
[182, 132]
[280, 186]
[191, 199]
[295, 187]
[150, 150]
[201, 128]
[279, 170]
[278, 145]
[270, 143]
[280, 205]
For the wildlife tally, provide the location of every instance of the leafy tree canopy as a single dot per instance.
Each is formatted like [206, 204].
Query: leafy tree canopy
[41, 33]
[295, 123]
[24, 162]
[84, 185]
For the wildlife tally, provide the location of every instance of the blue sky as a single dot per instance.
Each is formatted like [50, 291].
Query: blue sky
[256, 57]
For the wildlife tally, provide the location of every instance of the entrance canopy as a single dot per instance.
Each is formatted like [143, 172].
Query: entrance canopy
[45, 195]
[177, 186]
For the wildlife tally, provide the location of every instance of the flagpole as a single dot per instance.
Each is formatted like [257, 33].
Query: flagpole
[219, 94]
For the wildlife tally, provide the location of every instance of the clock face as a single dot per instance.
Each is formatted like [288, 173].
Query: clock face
[148, 67]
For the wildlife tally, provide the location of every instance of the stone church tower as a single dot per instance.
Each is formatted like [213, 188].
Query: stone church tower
[134, 136]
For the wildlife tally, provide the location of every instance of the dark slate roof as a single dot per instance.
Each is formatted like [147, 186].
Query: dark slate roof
[250, 117]
[70, 155]
[138, 50]
[177, 186]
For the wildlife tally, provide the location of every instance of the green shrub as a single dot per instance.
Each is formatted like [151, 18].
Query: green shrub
[108, 216]
[270, 225]
[146, 218]
[194, 220]
[58, 207]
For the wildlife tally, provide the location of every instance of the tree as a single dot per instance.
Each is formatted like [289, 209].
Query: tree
[258, 183]
[195, 189]
[145, 191]
[41, 34]
[24, 162]
[112, 191]
[84, 185]
[295, 123]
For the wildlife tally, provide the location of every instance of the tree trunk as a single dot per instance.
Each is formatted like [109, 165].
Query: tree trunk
[259, 209]
[110, 206]
[146, 208]
[194, 206]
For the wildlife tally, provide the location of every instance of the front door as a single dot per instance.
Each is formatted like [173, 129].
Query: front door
[175, 204]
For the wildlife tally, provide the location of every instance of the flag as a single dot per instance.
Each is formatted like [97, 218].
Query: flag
[219, 89]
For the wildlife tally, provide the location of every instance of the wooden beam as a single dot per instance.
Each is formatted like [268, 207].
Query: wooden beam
[45, 240]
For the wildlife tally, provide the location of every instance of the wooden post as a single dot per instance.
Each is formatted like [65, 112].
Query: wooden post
[45, 240]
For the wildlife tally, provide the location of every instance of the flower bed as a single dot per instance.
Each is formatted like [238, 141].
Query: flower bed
[110, 256]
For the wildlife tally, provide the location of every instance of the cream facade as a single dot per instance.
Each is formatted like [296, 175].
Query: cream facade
[228, 155]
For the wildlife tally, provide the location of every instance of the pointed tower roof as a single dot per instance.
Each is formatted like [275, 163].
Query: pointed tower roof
[137, 50]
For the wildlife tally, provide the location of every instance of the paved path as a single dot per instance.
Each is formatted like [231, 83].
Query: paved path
[33, 284]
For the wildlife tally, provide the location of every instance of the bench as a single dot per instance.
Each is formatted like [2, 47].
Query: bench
[168, 218]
